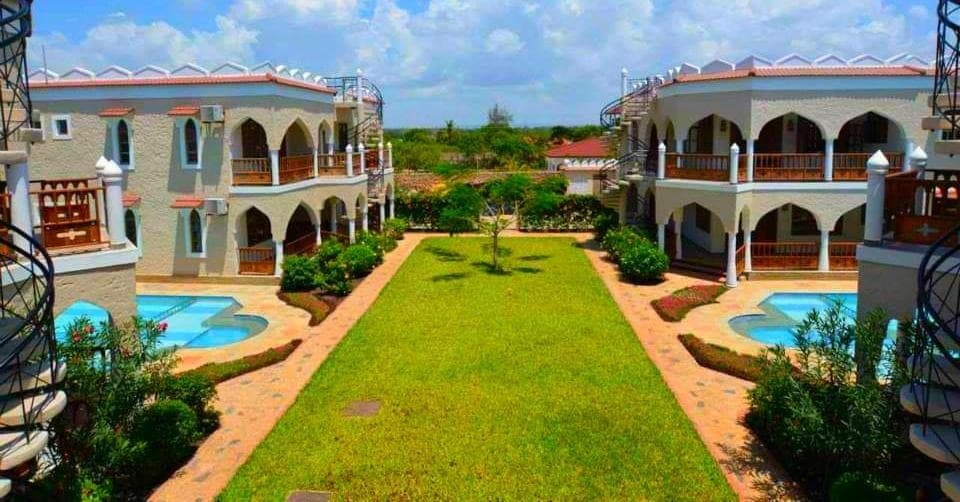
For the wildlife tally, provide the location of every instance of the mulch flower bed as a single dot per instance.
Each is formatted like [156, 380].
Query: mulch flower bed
[722, 359]
[675, 306]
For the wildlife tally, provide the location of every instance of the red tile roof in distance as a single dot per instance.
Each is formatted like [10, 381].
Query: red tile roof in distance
[184, 111]
[587, 148]
[824, 71]
[116, 112]
[187, 202]
[193, 80]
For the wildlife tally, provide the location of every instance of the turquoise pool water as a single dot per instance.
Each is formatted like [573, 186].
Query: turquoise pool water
[784, 311]
[192, 321]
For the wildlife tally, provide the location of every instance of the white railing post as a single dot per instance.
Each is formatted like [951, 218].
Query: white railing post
[661, 161]
[113, 188]
[316, 162]
[275, 167]
[380, 159]
[823, 264]
[390, 155]
[18, 184]
[828, 160]
[731, 259]
[278, 258]
[918, 163]
[623, 85]
[877, 168]
[678, 237]
[662, 236]
[734, 163]
[908, 150]
[747, 251]
[750, 146]
[363, 158]
[349, 159]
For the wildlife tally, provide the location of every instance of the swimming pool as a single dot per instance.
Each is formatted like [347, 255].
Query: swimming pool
[194, 322]
[784, 311]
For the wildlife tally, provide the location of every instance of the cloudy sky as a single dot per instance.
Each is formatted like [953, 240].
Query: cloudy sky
[549, 62]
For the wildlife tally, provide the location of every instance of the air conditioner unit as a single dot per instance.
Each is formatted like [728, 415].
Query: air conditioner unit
[211, 113]
[216, 207]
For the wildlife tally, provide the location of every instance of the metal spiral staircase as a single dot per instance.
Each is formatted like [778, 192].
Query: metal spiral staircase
[933, 394]
[632, 106]
[369, 125]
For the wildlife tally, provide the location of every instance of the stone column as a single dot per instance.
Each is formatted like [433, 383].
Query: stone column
[747, 251]
[365, 218]
[349, 161]
[278, 258]
[330, 152]
[275, 167]
[918, 163]
[823, 264]
[316, 162]
[319, 228]
[877, 168]
[383, 216]
[334, 217]
[352, 229]
[390, 155]
[113, 189]
[101, 203]
[363, 158]
[662, 236]
[623, 84]
[731, 259]
[734, 163]
[392, 207]
[678, 237]
[679, 143]
[908, 149]
[828, 160]
[750, 146]
[661, 161]
[380, 165]
[18, 184]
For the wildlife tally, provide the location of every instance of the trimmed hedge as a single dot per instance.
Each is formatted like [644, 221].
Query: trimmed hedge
[314, 305]
[221, 372]
[675, 306]
[722, 359]
[545, 210]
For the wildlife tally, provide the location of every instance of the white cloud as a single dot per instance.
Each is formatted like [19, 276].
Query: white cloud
[918, 11]
[296, 11]
[503, 42]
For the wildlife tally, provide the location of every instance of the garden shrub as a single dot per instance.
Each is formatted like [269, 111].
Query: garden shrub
[675, 306]
[859, 486]
[395, 228]
[221, 372]
[334, 279]
[373, 241]
[643, 262]
[197, 392]
[316, 307]
[359, 260]
[617, 241]
[166, 432]
[723, 359]
[552, 184]
[387, 242]
[298, 273]
[824, 419]
[605, 222]
[545, 210]
[328, 252]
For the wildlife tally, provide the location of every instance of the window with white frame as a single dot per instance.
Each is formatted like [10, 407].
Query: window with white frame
[195, 231]
[191, 143]
[61, 127]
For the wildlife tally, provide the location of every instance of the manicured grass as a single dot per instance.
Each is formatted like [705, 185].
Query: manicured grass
[529, 385]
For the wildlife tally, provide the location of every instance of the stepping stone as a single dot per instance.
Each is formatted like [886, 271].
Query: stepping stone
[308, 496]
[362, 409]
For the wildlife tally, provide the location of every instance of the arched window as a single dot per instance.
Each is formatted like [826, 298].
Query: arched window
[130, 225]
[196, 233]
[190, 142]
[123, 143]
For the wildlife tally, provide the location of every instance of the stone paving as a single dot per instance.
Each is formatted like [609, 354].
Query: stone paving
[253, 403]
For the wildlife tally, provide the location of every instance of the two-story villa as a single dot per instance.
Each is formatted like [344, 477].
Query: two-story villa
[760, 165]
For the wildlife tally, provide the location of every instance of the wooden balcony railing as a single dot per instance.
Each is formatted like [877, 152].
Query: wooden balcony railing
[252, 171]
[332, 164]
[696, 166]
[800, 255]
[921, 210]
[853, 166]
[69, 217]
[257, 261]
[773, 166]
[788, 167]
[296, 168]
[304, 245]
[843, 255]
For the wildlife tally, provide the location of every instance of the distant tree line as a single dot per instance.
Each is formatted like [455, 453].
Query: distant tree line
[497, 145]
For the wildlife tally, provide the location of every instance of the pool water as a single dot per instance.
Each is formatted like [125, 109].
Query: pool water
[783, 312]
[192, 321]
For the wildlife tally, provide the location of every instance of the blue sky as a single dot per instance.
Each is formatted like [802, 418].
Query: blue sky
[549, 62]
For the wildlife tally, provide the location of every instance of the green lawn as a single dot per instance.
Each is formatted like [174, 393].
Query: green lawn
[529, 385]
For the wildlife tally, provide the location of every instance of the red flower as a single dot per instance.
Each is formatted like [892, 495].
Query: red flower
[76, 337]
[162, 327]
[88, 329]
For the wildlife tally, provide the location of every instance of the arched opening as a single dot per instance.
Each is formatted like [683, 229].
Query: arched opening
[713, 135]
[250, 155]
[670, 138]
[257, 252]
[632, 211]
[131, 227]
[859, 138]
[333, 222]
[789, 147]
[786, 238]
[697, 238]
[296, 154]
[191, 142]
[123, 143]
[653, 145]
[301, 235]
[361, 210]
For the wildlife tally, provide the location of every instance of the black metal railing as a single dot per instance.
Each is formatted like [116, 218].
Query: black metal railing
[643, 91]
[350, 88]
[15, 106]
[945, 89]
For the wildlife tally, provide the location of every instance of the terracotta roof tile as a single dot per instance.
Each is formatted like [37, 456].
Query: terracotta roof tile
[194, 80]
[184, 111]
[813, 71]
[130, 199]
[116, 112]
[588, 148]
[187, 202]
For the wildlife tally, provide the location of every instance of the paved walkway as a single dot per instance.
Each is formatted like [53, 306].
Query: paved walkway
[253, 403]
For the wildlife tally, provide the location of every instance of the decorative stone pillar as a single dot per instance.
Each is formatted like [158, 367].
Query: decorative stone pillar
[278, 258]
[349, 161]
[918, 163]
[731, 259]
[678, 237]
[363, 158]
[275, 167]
[734, 163]
[330, 152]
[18, 184]
[661, 161]
[662, 236]
[828, 160]
[352, 229]
[113, 190]
[392, 207]
[101, 203]
[319, 229]
[877, 168]
[623, 83]
[316, 162]
[747, 251]
[750, 147]
[823, 264]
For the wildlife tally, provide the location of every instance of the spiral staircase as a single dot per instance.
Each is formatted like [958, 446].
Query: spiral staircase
[933, 394]
[633, 106]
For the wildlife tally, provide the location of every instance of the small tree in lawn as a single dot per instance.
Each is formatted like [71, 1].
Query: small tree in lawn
[504, 198]
[461, 211]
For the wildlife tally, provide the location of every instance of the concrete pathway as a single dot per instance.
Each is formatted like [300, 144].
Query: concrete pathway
[253, 403]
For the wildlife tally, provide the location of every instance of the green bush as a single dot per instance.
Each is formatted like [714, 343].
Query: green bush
[334, 279]
[373, 241]
[197, 392]
[825, 418]
[221, 372]
[298, 273]
[167, 433]
[722, 359]
[556, 184]
[359, 260]
[859, 486]
[616, 242]
[546, 210]
[328, 252]
[604, 223]
[395, 228]
[643, 262]
[387, 242]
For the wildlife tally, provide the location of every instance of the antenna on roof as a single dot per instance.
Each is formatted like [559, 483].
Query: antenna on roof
[46, 71]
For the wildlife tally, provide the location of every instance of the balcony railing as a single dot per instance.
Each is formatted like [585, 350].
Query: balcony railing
[296, 168]
[695, 166]
[801, 255]
[68, 212]
[773, 166]
[257, 261]
[251, 171]
[303, 245]
[789, 166]
[921, 210]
